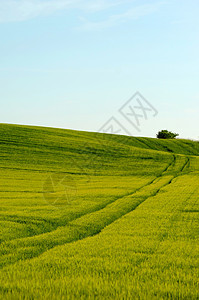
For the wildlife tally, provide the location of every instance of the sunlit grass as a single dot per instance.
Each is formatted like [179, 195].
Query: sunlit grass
[120, 223]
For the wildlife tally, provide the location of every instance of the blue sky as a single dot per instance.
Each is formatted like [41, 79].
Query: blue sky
[74, 64]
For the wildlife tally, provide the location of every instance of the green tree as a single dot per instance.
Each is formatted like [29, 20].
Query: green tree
[165, 134]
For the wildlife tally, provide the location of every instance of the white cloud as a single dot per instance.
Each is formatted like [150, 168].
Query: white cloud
[131, 14]
[100, 5]
[21, 10]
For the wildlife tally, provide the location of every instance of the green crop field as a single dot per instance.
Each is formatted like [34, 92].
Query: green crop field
[97, 216]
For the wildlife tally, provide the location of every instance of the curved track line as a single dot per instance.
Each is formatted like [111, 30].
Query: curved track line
[109, 220]
[86, 229]
[101, 207]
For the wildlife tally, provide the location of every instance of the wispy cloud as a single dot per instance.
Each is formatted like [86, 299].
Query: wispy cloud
[91, 6]
[131, 14]
[22, 10]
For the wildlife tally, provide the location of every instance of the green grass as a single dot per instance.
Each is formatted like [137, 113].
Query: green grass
[123, 223]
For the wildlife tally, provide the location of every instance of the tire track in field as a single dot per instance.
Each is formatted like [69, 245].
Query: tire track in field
[185, 165]
[90, 224]
[171, 222]
[77, 231]
[28, 221]
[154, 193]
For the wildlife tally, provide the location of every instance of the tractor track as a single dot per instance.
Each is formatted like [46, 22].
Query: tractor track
[82, 229]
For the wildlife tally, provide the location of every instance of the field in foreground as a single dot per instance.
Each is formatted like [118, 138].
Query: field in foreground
[96, 216]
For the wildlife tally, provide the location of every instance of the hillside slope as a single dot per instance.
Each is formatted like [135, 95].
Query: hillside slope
[122, 210]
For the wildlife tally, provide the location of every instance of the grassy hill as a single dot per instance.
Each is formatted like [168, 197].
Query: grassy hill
[97, 216]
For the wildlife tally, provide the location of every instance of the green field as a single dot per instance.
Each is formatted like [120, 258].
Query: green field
[96, 216]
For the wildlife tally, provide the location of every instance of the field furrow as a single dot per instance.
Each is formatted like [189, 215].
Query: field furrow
[89, 215]
[89, 224]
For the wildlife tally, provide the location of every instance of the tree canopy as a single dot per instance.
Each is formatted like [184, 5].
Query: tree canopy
[165, 134]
